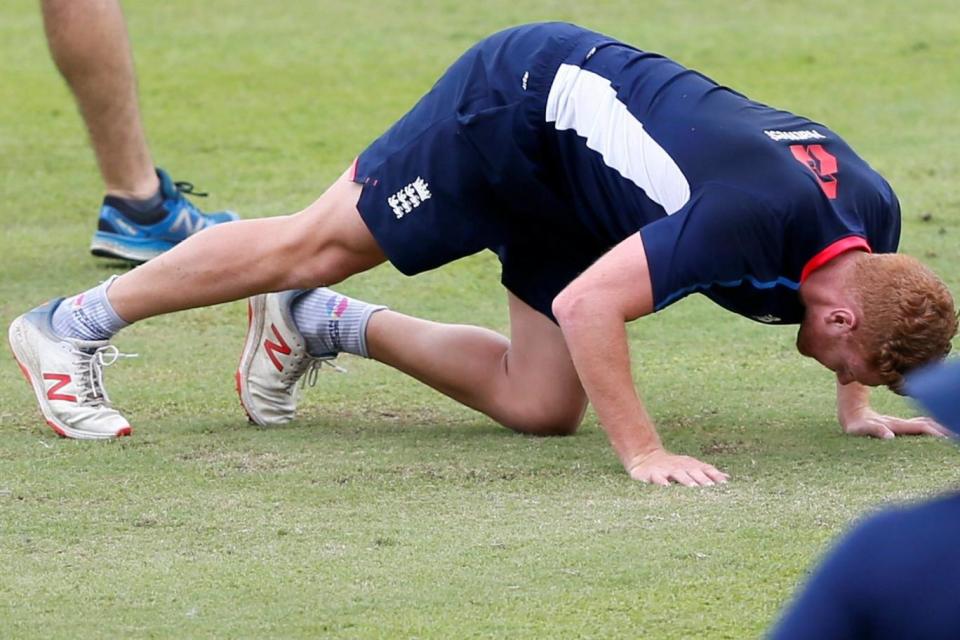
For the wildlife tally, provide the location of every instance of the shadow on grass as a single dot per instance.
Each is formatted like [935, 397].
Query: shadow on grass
[110, 264]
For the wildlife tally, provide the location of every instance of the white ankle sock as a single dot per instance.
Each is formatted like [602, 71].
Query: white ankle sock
[332, 323]
[88, 315]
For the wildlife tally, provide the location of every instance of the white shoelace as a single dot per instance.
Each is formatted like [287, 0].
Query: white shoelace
[310, 376]
[90, 366]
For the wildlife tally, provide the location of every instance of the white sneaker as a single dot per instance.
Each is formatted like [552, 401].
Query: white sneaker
[274, 358]
[67, 377]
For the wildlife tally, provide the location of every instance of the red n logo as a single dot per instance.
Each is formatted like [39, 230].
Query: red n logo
[62, 380]
[822, 163]
[273, 348]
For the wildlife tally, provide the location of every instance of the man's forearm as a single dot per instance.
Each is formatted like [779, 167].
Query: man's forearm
[598, 345]
[592, 312]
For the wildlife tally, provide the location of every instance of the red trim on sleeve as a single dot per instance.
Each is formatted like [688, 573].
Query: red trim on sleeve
[353, 169]
[850, 243]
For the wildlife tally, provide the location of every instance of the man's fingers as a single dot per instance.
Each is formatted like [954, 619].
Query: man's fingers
[703, 475]
[662, 468]
[942, 430]
[716, 475]
[945, 432]
[701, 478]
[886, 427]
[659, 478]
[920, 427]
[874, 429]
[929, 428]
[683, 477]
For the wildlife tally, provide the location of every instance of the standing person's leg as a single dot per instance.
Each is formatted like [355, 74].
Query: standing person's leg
[144, 212]
[89, 44]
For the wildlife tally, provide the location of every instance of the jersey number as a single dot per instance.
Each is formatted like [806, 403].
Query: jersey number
[823, 165]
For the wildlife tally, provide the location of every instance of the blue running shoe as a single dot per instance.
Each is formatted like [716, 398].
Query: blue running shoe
[120, 236]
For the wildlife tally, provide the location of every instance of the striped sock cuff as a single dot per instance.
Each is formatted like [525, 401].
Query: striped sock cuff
[88, 315]
[332, 323]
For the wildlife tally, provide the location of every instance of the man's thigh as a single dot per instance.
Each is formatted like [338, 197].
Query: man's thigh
[330, 238]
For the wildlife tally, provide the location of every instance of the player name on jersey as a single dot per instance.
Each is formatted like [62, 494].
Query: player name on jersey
[805, 134]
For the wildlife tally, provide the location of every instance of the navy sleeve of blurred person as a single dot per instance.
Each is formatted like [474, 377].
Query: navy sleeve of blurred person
[828, 605]
[897, 575]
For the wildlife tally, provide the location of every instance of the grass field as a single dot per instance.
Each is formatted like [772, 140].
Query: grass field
[387, 510]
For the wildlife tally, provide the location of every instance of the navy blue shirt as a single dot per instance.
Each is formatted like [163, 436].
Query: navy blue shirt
[895, 576]
[732, 198]
[549, 144]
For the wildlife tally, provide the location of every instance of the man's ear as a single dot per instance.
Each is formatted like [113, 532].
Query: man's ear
[842, 320]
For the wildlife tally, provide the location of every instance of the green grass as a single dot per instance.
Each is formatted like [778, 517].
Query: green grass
[386, 510]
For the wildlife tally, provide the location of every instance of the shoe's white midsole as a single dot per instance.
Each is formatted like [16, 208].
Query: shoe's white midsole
[122, 251]
[256, 314]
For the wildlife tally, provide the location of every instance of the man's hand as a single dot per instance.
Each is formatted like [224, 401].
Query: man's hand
[858, 419]
[870, 423]
[662, 467]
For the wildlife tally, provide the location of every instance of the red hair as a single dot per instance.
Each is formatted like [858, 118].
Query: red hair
[908, 315]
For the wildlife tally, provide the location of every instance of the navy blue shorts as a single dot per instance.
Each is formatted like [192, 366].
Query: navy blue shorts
[469, 168]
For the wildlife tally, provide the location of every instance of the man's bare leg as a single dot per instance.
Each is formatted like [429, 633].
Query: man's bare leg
[62, 346]
[527, 383]
[89, 44]
[321, 245]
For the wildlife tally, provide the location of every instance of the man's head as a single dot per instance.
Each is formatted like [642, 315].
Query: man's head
[889, 315]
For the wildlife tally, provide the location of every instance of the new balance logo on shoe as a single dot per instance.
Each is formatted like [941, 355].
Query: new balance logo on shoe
[273, 348]
[125, 226]
[409, 198]
[188, 222]
[61, 380]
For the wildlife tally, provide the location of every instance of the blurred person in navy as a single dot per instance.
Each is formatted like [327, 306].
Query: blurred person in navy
[896, 575]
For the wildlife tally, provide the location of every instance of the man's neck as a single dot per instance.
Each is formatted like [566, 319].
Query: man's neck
[828, 284]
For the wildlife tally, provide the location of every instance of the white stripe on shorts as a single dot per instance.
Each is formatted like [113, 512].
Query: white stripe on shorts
[586, 102]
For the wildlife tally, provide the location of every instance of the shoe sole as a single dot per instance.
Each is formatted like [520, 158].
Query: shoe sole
[250, 344]
[40, 392]
[107, 245]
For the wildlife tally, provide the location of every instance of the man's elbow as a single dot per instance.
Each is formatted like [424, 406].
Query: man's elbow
[581, 303]
[570, 305]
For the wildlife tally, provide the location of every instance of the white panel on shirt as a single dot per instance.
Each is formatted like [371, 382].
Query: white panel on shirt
[586, 102]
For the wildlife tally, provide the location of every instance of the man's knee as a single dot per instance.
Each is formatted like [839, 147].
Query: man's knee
[549, 418]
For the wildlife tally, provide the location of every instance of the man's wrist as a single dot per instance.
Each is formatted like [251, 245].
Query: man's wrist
[849, 415]
[853, 403]
[638, 457]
